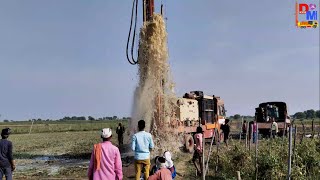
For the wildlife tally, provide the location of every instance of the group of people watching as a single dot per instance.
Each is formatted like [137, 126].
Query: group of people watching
[161, 167]
[105, 162]
[274, 130]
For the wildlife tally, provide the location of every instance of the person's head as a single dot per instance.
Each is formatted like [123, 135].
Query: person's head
[5, 133]
[120, 124]
[244, 121]
[162, 161]
[141, 125]
[167, 156]
[156, 159]
[106, 134]
[199, 129]
[227, 121]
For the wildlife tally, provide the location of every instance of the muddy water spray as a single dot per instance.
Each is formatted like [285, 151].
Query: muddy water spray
[153, 98]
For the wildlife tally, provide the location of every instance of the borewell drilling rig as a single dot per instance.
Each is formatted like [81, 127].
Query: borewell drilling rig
[194, 109]
[148, 10]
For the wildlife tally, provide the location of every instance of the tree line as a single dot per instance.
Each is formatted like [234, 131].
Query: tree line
[308, 114]
[77, 118]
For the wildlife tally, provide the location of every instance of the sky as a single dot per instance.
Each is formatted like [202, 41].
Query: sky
[67, 58]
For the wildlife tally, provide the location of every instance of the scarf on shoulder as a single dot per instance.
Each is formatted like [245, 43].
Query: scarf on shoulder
[97, 156]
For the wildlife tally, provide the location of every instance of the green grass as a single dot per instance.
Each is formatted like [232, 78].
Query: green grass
[60, 126]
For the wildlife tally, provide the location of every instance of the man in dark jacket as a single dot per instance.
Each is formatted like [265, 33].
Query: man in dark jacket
[7, 164]
[226, 130]
[120, 131]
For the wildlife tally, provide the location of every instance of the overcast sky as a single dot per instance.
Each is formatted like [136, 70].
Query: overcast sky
[67, 58]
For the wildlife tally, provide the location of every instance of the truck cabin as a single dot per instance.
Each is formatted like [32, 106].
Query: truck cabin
[268, 110]
[211, 108]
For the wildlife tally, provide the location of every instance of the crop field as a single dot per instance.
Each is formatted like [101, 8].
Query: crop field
[272, 161]
[62, 150]
[59, 126]
[55, 149]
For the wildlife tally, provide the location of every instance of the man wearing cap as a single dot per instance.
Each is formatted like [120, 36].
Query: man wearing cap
[7, 164]
[141, 144]
[169, 163]
[105, 162]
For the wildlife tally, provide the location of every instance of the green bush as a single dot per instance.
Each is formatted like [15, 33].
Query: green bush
[272, 160]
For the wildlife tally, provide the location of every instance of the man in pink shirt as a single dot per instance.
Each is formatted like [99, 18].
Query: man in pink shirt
[198, 150]
[105, 162]
[163, 173]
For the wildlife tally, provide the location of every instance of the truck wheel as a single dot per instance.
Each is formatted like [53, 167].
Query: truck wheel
[189, 143]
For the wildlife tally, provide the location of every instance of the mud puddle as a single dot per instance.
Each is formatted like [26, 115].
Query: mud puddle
[48, 165]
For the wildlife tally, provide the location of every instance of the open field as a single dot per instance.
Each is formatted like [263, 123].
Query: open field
[60, 126]
[63, 152]
[67, 126]
[53, 154]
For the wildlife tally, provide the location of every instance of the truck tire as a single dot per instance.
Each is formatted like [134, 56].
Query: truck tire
[189, 143]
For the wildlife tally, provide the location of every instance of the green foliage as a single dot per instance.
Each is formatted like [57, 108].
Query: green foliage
[237, 116]
[272, 160]
[300, 115]
[308, 114]
[318, 114]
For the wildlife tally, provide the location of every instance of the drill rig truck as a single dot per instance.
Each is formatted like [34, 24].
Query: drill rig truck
[196, 109]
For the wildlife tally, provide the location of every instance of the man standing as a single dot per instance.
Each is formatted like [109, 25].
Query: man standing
[105, 162]
[274, 128]
[141, 144]
[255, 131]
[7, 164]
[120, 131]
[226, 130]
[197, 156]
[244, 128]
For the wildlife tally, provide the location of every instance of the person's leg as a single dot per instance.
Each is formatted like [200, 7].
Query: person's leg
[254, 137]
[146, 168]
[1, 173]
[8, 173]
[226, 138]
[273, 134]
[195, 160]
[138, 167]
[121, 139]
[200, 163]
